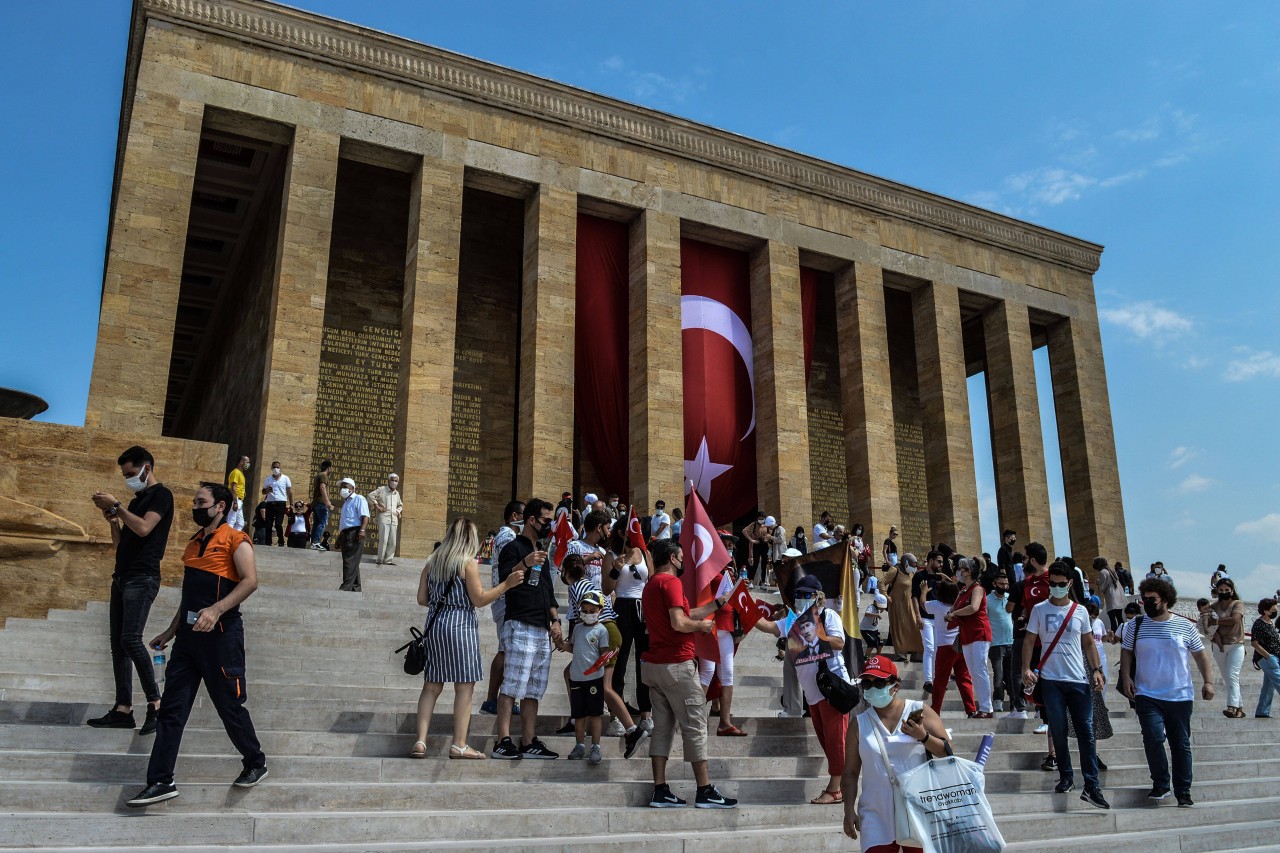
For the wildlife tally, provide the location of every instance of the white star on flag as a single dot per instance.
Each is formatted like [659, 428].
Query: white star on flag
[701, 470]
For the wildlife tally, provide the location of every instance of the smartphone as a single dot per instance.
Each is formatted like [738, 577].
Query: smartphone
[916, 716]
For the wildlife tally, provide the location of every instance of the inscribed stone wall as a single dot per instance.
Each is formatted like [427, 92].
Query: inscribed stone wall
[481, 456]
[908, 425]
[360, 349]
[827, 463]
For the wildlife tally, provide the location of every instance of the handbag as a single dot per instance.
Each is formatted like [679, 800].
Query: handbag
[415, 657]
[946, 805]
[1036, 696]
[842, 695]
[904, 830]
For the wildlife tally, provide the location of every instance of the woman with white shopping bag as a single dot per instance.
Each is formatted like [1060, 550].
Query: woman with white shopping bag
[893, 733]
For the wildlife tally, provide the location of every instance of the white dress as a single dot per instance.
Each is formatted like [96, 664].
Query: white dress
[875, 803]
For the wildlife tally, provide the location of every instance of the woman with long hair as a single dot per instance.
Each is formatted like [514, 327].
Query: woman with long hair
[1227, 615]
[450, 590]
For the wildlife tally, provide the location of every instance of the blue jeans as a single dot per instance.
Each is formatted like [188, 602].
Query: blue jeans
[1162, 720]
[319, 521]
[1070, 697]
[1270, 685]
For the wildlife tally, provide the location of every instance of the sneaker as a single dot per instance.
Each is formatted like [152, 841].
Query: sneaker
[505, 749]
[1042, 728]
[1102, 765]
[567, 729]
[1093, 796]
[631, 740]
[1049, 764]
[593, 755]
[647, 724]
[250, 777]
[515, 709]
[149, 724]
[489, 707]
[114, 719]
[663, 798]
[710, 798]
[1158, 794]
[1016, 715]
[615, 729]
[537, 749]
[156, 793]
[1185, 801]
[998, 706]
[1065, 786]
[578, 752]
[928, 687]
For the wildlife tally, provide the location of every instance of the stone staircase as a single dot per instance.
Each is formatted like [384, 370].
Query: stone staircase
[335, 715]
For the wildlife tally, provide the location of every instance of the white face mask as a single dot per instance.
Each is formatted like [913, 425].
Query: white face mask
[590, 618]
[345, 492]
[138, 482]
[878, 697]
[275, 472]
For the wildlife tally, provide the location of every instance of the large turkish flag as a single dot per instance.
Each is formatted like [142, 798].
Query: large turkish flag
[719, 372]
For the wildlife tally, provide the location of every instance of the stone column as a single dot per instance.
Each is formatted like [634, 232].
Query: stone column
[544, 452]
[144, 262]
[944, 400]
[656, 374]
[867, 399]
[782, 411]
[297, 307]
[429, 321]
[1022, 489]
[1090, 475]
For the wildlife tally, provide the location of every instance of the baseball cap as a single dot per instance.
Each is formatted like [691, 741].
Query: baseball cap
[792, 552]
[770, 521]
[593, 596]
[346, 480]
[808, 583]
[590, 498]
[879, 666]
[881, 601]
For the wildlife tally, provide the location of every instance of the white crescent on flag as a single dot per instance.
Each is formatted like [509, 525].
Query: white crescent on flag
[704, 545]
[701, 312]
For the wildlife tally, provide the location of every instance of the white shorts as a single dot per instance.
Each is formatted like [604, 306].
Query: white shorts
[707, 668]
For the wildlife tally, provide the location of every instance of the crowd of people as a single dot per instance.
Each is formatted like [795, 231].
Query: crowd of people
[1017, 634]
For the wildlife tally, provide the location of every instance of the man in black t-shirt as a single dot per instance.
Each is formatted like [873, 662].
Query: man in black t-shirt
[140, 533]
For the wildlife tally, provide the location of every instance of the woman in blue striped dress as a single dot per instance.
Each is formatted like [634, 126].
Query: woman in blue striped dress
[450, 584]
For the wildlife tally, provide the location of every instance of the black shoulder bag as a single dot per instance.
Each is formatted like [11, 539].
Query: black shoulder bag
[842, 695]
[1133, 665]
[415, 658]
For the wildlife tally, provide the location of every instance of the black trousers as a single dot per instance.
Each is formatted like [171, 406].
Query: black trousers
[1116, 617]
[215, 659]
[759, 563]
[635, 639]
[275, 519]
[131, 601]
[352, 547]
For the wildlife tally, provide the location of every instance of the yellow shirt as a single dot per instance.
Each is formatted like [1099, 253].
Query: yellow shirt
[235, 482]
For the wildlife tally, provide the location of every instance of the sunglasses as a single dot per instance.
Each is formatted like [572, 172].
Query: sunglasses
[876, 683]
[635, 572]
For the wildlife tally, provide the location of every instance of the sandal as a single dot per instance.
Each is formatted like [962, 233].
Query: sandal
[419, 750]
[730, 731]
[828, 798]
[456, 751]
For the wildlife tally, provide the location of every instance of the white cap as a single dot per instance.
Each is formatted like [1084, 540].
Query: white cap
[792, 552]
[346, 480]
[770, 521]
[881, 601]
[591, 497]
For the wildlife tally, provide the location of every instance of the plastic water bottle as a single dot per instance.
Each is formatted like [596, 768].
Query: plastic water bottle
[157, 661]
[535, 575]
[984, 749]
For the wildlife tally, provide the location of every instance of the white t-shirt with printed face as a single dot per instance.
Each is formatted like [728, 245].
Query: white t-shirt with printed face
[1067, 661]
[1162, 657]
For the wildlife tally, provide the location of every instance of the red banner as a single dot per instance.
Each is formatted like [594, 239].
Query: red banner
[719, 378]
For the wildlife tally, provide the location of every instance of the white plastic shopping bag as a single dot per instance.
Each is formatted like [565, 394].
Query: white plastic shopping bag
[948, 807]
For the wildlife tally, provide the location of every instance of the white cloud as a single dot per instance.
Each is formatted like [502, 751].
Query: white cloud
[1267, 527]
[1181, 456]
[613, 63]
[1262, 363]
[1051, 186]
[1192, 484]
[652, 87]
[1146, 320]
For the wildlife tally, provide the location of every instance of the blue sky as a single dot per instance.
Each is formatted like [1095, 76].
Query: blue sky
[1151, 128]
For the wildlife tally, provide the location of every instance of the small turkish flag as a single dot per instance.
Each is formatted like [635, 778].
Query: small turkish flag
[748, 610]
[705, 558]
[635, 538]
[562, 534]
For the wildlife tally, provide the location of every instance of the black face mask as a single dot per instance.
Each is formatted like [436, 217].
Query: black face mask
[1224, 596]
[680, 570]
[1151, 608]
[203, 515]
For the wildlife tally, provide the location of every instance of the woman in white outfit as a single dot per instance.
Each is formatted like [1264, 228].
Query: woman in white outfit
[908, 743]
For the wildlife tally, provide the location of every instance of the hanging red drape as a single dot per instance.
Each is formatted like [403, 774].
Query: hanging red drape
[809, 279]
[600, 349]
[719, 369]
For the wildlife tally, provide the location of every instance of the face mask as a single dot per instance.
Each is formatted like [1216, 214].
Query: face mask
[202, 515]
[393, 486]
[1058, 591]
[346, 493]
[878, 697]
[1152, 609]
[517, 526]
[275, 472]
[138, 482]
[247, 466]
[804, 602]
[1224, 596]
[589, 618]
[1001, 593]
[613, 504]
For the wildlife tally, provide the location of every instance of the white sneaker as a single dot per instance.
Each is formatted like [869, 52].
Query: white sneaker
[1042, 728]
[646, 724]
[1016, 715]
[615, 729]
[998, 705]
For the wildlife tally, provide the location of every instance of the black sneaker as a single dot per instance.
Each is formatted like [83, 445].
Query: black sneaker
[505, 749]
[710, 798]
[1185, 801]
[156, 793]
[631, 740]
[1093, 796]
[149, 724]
[567, 729]
[1065, 786]
[1158, 794]
[1049, 764]
[663, 798]
[537, 749]
[928, 687]
[250, 777]
[1102, 765]
[114, 719]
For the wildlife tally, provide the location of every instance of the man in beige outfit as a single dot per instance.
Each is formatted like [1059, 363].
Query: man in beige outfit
[387, 506]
